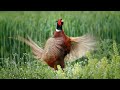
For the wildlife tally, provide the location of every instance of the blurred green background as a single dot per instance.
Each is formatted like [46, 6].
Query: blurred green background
[40, 25]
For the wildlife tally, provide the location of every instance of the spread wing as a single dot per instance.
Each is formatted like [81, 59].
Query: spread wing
[37, 51]
[79, 47]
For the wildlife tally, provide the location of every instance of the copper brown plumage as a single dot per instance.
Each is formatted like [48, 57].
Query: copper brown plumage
[61, 47]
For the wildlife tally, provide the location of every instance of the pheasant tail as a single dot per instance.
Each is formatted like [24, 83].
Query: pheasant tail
[37, 51]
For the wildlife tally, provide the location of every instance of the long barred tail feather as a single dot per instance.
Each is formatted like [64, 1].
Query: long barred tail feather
[37, 51]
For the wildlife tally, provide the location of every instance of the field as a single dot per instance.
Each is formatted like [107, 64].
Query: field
[17, 61]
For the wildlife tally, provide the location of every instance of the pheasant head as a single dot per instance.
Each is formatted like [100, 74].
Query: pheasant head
[59, 24]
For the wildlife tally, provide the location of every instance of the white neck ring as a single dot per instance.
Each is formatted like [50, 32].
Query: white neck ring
[58, 30]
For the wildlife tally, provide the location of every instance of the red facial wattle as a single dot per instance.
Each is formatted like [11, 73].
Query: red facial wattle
[60, 22]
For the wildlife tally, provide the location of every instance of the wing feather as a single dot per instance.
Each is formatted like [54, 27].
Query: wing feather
[79, 47]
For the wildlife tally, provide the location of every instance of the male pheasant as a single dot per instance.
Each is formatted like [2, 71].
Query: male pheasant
[61, 47]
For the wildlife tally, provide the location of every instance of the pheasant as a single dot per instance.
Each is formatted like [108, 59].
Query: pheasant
[60, 47]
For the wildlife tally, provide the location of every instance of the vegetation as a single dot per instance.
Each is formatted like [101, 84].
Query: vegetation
[17, 61]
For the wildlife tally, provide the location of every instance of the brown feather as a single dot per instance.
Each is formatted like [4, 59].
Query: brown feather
[79, 47]
[54, 52]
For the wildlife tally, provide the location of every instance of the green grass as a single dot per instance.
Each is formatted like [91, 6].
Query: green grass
[16, 60]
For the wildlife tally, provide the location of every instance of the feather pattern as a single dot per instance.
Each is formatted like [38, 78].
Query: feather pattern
[54, 51]
[79, 47]
[53, 47]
